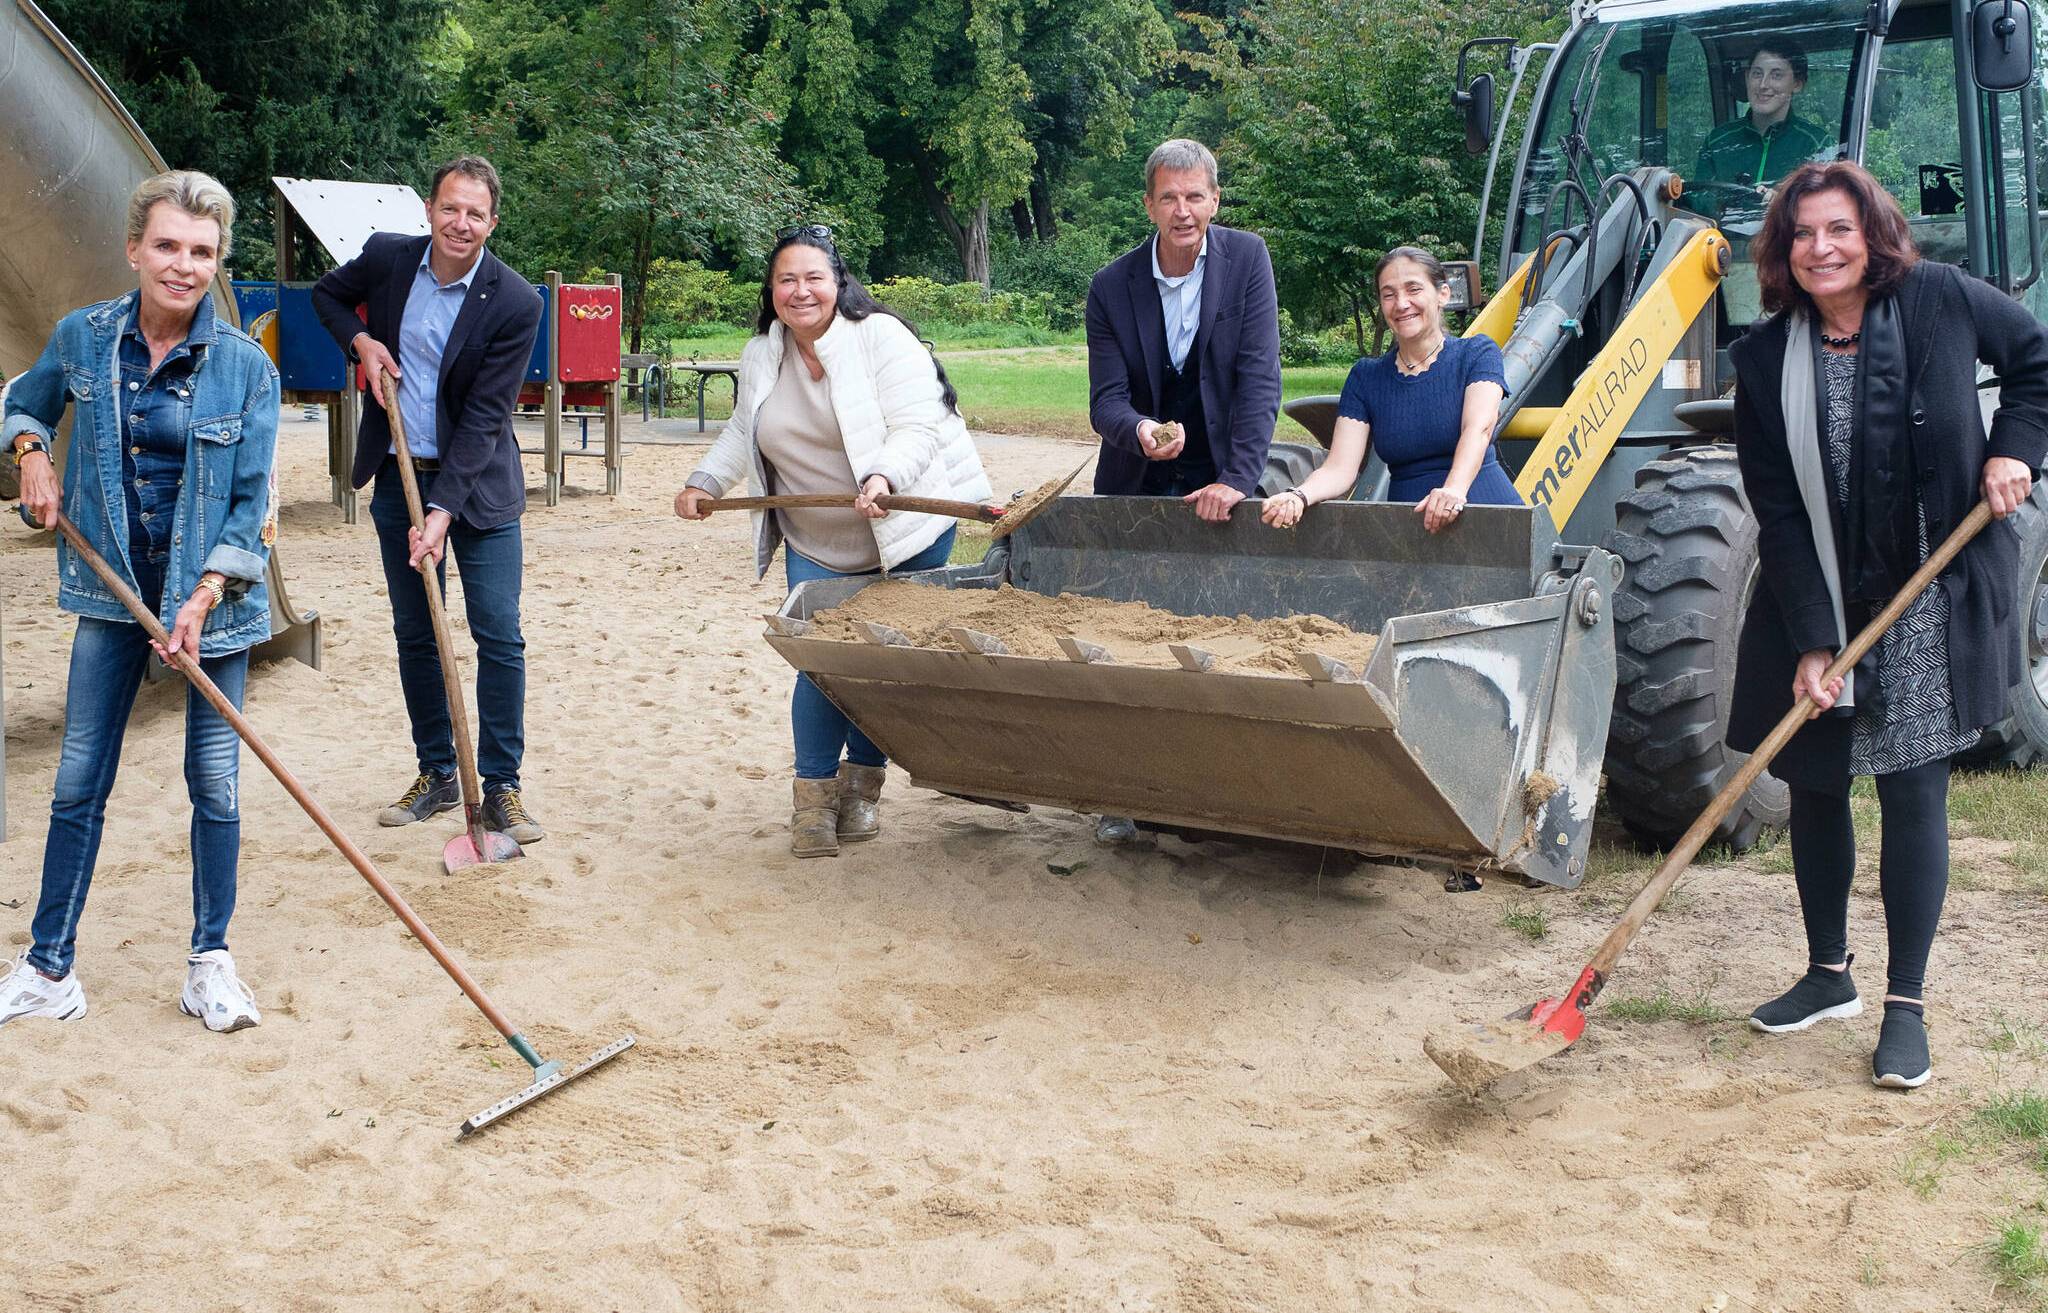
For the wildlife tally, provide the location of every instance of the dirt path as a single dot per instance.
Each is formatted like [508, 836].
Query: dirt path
[936, 1073]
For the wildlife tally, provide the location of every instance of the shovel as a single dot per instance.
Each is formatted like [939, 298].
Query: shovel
[478, 845]
[1475, 1056]
[547, 1076]
[1007, 519]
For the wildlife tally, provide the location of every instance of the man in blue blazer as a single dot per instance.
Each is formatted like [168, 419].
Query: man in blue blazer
[451, 327]
[1185, 329]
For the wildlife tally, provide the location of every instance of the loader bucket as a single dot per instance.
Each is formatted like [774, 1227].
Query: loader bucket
[1474, 735]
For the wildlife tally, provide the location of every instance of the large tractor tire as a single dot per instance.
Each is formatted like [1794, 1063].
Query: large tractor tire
[1689, 542]
[2021, 739]
[1288, 464]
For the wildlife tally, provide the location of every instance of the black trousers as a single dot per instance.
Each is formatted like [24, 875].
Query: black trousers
[1912, 870]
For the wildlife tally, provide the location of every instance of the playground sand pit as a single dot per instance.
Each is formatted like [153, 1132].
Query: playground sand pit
[976, 1064]
[1031, 624]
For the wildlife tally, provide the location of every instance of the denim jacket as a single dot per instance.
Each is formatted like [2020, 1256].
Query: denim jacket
[226, 515]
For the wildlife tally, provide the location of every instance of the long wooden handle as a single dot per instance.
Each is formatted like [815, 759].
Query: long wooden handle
[1688, 847]
[959, 510]
[187, 666]
[437, 610]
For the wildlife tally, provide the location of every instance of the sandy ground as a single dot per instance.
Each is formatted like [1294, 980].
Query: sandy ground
[931, 1074]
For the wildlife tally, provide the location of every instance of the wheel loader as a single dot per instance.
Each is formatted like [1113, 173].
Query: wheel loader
[1531, 651]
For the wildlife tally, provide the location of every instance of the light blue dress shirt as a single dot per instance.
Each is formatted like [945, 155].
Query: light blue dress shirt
[1180, 302]
[430, 310]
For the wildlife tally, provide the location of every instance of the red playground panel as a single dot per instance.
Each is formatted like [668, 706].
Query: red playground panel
[588, 319]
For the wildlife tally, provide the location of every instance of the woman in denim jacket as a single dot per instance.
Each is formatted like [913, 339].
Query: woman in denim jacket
[170, 479]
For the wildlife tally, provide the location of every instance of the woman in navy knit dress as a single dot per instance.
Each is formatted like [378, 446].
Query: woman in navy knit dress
[1428, 406]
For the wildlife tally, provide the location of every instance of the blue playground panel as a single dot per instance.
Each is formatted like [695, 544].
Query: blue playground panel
[537, 365]
[308, 359]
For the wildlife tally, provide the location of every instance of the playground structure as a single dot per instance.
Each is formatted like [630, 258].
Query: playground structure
[573, 373]
[70, 154]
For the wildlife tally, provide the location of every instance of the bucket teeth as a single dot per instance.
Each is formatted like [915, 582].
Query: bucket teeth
[1087, 653]
[882, 635]
[973, 640]
[1192, 658]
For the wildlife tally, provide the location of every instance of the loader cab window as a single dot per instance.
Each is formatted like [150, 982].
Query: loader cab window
[1656, 91]
[1914, 147]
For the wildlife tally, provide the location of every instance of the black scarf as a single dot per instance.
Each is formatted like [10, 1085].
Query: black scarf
[1878, 533]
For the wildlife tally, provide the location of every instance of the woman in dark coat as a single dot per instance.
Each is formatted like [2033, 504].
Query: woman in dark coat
[1862, 446]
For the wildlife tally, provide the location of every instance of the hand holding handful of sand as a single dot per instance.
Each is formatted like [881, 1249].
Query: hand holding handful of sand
[1161, 441]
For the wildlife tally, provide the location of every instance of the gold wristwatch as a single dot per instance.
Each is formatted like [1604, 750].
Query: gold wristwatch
[33, 444]
[216, 587]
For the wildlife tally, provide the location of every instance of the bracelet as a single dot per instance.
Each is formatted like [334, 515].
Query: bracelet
[215, 587]
[33, 444]
[1297, 492]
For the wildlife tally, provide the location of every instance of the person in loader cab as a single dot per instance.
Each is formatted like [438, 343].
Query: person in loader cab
[1862, 446]
[1768, 142]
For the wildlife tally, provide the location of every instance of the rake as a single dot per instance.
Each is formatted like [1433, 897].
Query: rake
[547, 1076]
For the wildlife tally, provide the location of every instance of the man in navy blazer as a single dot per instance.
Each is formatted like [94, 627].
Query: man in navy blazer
[1186, 328]
[450, 327]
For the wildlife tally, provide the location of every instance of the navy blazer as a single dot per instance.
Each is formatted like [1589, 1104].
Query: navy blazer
[480, 481]
[1239, 337]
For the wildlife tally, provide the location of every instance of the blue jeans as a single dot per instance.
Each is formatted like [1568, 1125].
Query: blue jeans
[107, 662]
[490, 561]
[821, 729]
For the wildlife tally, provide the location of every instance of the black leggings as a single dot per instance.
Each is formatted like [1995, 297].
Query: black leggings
[1912, 869]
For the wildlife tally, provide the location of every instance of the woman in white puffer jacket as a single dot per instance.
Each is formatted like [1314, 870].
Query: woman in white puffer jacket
[837, 394]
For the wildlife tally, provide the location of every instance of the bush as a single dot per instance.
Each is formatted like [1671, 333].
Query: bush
[923, 301]
[683, 296]
[1331, 346]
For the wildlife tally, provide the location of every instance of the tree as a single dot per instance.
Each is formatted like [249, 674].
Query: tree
[251, 89]
[1342, 140]
[972, 105]
[620, 136]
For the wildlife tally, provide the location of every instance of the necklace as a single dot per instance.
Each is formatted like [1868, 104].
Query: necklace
[1409, 367]
[1842, 342]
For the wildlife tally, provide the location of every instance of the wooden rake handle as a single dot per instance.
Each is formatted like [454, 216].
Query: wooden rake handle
[188, 666]
[1688, 847]
[959, 510]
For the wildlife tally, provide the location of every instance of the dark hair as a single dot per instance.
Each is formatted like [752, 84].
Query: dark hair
[1785, 48]
[855, 301]
[1885, 235]
[474, 167]
[1430, 265]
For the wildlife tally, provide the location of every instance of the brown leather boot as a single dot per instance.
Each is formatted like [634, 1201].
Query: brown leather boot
[860, 801]
[814, 824]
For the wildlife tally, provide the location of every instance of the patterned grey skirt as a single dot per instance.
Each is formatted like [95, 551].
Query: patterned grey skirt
[1915, 720]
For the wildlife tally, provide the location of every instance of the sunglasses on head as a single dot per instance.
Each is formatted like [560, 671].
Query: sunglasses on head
[817, 231]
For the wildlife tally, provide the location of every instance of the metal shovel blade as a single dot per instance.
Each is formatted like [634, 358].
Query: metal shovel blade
[543, 1087]
[478, 846]
[1021, 511]
[1476, 1056]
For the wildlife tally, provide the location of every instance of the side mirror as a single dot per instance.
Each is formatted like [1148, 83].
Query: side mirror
[1466, 293]
[1476, 97]
[1477, 102]
[2002, 45]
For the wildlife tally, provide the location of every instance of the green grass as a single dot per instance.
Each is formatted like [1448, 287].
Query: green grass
[2019, 1258]
[726, 344]
[2020, 1118]
[969, 547]
[2018, 1037]
[1923, 1167]
[1526, 919]
[1699, 1010]
[1046, 392]
[2001, 805]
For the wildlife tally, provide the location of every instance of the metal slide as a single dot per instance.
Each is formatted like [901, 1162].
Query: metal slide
[1495, 662]
[69, 156]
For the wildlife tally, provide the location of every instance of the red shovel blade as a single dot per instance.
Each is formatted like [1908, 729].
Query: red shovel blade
[478, 846]
[1476, 1056]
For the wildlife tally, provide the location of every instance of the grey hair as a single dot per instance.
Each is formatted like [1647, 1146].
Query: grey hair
[200, 195]
[474, 167]
[1180, 153]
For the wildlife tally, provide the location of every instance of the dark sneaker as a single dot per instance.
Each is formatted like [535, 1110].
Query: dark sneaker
[1819, 995]
[1901, 1061]
[430, 795]
[504, 813]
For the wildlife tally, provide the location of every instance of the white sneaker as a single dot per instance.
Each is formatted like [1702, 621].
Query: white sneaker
[27, 992]
[215, 994]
